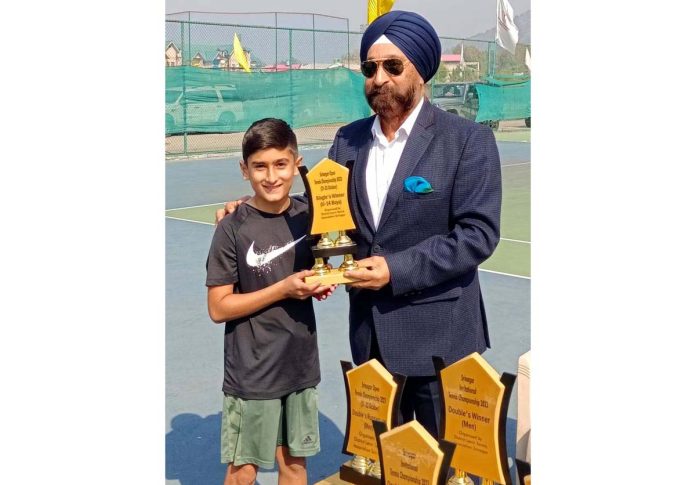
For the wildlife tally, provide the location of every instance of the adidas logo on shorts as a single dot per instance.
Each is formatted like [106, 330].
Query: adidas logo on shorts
[307, 440]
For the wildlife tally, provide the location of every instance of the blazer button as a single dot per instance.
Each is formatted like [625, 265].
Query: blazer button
[377, 249]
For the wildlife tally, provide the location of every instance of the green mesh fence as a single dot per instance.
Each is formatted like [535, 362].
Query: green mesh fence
[216, 101]
[498, 100]
[305, 70]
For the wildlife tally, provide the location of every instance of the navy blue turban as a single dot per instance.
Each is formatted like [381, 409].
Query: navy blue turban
[412, 34]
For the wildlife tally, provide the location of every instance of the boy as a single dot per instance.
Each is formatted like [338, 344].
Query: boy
[256, 270]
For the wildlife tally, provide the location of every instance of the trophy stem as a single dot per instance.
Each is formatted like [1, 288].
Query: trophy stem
[325, 241]
[460, 478]
[360, 464]
[375, 469]
[348, 263]
[320, 267]
[343, 239]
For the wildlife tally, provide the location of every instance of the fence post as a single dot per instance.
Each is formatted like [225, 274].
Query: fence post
[290, 73]
[184, 100]
[348, 34]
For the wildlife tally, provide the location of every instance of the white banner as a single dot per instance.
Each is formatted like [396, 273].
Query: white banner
[528, 60]
[506, 32]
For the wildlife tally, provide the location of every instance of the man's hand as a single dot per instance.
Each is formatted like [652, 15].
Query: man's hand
[229, 208]
[373, 273]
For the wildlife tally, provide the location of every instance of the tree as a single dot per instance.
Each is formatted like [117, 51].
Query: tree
[442, 74]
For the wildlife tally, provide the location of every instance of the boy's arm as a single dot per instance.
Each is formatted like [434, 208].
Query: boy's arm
[224, 305]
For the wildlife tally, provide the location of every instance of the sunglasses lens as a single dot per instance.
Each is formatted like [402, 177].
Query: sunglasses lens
[393, 66]
[368, 68]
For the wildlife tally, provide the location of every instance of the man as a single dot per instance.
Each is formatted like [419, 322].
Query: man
[426, 193]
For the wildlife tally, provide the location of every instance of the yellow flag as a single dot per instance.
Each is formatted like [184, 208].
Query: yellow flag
[239, 55]
[375, 8]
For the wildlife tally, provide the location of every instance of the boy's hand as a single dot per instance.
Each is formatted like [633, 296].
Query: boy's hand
[229, 208]
[323, 292]
[295, 287]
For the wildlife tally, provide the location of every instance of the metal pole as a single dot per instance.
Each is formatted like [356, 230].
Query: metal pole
[183, 46]
[314, 43]
[348, 34]
[276, 45]
[290, 73]
[183, 100]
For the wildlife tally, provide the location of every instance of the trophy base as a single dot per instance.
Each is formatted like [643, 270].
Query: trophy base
[333, 277]
[348, 474]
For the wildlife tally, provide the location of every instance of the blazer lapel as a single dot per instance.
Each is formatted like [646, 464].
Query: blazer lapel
[359, 179]
[416, 145]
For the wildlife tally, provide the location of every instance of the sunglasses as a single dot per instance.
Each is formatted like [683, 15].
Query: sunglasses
[392, 66]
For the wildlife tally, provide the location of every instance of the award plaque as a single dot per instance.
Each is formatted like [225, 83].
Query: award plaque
[372, 394]
[410, 455]
[475, 400]
[330, 212]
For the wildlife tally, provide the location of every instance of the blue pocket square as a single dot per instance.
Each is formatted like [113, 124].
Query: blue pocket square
[418, 185]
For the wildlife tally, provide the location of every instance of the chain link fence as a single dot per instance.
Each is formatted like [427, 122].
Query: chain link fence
[305, 69]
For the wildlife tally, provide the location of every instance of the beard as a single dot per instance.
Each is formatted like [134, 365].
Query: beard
[388, 103]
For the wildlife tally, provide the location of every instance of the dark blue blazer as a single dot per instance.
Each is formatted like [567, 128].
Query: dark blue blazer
[433, 243]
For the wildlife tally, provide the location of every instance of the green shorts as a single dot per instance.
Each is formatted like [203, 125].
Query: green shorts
[252, 428]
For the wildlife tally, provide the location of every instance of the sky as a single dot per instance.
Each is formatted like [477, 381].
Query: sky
[451, 18]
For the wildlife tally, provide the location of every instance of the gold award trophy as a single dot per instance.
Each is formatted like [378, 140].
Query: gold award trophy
[409, 455]
[372, 394]
[475, 400]
[330, 212]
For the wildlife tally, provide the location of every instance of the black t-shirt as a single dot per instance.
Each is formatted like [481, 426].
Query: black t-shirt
[272, 352]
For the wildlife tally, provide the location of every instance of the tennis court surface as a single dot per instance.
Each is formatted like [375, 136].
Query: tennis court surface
[194, 190]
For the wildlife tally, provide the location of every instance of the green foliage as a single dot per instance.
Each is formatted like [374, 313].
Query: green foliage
[442, 74]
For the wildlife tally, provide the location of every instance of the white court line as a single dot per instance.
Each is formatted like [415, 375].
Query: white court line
[516, 164]
[505, 274]
[216, 203]
[211, 224]
[486, 270]
[189, 220]
[515, 240]
[194, 206]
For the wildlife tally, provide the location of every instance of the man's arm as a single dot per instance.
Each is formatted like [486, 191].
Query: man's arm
[225, 305]
[475, 211]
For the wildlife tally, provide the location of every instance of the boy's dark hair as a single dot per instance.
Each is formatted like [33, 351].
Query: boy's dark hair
[268, 133]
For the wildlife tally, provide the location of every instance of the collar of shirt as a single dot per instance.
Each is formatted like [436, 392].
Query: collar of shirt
[403, 131]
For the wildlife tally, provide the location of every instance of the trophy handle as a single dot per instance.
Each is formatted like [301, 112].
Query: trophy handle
[447, 447]
[303, 173]
[349, 165]
[508, 380]
[345, 367]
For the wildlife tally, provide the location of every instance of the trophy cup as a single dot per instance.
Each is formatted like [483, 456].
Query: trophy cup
[327, 187]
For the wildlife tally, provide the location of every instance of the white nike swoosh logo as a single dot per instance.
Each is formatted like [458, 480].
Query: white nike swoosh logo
[256, 260]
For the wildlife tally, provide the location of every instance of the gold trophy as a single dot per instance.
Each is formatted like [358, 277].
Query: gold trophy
[475, 400]
[410, 455]
[327, 185]
[372, 394]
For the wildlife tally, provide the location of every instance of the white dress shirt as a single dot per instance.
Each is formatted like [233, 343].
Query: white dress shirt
[382, 161]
